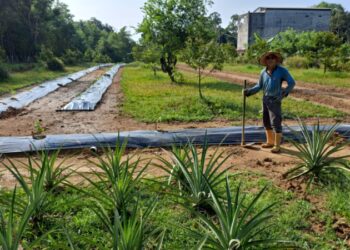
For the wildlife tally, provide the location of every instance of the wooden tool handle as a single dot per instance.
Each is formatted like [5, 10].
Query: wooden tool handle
[243, 114]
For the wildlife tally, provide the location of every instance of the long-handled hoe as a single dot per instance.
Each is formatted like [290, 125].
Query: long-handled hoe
[243, 143]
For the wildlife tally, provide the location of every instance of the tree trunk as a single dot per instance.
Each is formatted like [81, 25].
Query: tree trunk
[200, 83]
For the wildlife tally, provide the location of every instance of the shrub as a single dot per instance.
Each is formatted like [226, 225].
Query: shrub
[297, 62]
[100, 58]
[3, 73]
[318, 151]
[2, 55]
[72, 57]
[55, 64]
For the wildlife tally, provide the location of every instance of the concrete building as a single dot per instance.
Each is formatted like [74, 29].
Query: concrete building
[268, 22]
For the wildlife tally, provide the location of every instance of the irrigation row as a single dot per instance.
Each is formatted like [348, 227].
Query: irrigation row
[21, 100]
[147, 138]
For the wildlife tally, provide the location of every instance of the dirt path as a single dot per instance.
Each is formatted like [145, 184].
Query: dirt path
[333, 97]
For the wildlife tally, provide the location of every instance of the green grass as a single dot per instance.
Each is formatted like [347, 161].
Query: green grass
[151, 99]
[337, 79]
[33, 76]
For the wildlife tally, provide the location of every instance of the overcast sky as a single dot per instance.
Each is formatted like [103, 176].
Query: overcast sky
[119, 13]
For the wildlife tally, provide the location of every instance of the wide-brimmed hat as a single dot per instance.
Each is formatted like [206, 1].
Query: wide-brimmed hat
[278, 56]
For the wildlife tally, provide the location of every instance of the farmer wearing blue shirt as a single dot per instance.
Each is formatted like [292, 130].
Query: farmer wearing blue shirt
[270, 82]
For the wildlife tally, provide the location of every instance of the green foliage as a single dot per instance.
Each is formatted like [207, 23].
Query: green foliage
[148, 98]
[319, 48]
[12, 229]
[339, 20]
[100, 58]
[115, 182]
[259, 47]
[71, 57]
[149, 54]
[318, 154]
[200, 55]
[127, 232]
[169, 24]
[38, 129]
[43, 177]
[55, 64]
[3, 73]
[194, 176]
[28, 26]
[239, 225]
[2, 55]
[298, 62]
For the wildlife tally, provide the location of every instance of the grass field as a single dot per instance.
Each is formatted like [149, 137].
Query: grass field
[150, 99]
[338, 79]
[33, 76]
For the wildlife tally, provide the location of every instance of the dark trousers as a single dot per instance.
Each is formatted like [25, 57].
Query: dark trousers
[272, 114]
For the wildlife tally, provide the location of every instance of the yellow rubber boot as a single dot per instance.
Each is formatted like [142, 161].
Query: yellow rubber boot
[269, 139]
[277, 148]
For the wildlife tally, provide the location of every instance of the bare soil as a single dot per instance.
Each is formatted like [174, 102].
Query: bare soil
[333, 97]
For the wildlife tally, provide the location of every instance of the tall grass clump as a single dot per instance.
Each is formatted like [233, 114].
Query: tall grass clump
[319, 152]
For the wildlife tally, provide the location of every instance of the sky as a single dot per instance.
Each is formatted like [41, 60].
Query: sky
[120, 13]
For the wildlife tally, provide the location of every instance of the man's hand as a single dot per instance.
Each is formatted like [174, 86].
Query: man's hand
[245, 92]
[284, 94]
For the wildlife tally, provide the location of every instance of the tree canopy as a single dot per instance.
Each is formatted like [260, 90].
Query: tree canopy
[27, 27]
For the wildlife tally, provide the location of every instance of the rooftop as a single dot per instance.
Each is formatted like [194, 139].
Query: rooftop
[263, 9]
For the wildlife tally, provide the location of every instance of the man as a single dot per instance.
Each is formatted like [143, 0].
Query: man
[270, 82]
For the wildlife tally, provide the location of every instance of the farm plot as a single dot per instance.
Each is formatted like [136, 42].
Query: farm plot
[173, 210]
[318, 220]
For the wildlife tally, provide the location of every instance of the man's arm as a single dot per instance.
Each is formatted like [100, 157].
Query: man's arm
[256, 88]
[290, 81]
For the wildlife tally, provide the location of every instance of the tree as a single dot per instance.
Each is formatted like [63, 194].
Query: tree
[339, 21]
[28, 26]
[202, 50]
[149, 54]
[168, 24]
[231, 31]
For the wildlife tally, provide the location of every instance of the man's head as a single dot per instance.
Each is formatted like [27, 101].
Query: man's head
[271, 59]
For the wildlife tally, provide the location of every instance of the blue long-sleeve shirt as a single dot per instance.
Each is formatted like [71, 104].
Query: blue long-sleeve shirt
[272, 85]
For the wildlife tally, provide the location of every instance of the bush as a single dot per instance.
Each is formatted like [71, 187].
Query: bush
[72, 57]
[297, 62]
[99, 58]
[45, 54]
[3, 73]
[55, 64]
[2, 55]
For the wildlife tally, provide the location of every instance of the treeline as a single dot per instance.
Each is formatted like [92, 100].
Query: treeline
[32, 30]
